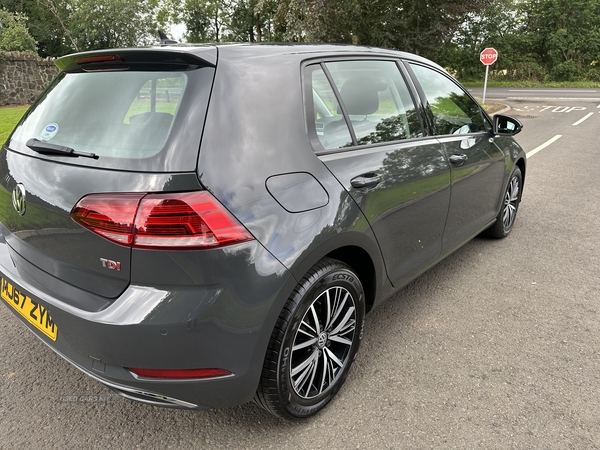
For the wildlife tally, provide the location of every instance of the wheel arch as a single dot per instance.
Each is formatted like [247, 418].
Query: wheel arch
[360, 261]
[521, 165]
[361, 252]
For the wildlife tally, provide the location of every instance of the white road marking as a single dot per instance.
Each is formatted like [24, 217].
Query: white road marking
[549, 90]
[553, 98]
[563, 109]
[583, 119]
[544, 145]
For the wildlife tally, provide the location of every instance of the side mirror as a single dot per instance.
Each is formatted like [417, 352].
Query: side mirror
[506, 125]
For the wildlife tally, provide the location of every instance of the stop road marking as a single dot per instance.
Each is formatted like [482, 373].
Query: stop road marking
[563, 109]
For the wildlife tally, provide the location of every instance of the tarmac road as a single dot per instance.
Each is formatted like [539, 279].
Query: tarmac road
[497, 347]
[538, 93]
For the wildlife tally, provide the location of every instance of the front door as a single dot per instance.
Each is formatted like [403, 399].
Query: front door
[477, 165]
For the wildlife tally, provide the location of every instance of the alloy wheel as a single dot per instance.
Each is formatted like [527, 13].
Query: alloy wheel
[322, 344]
[511, 203]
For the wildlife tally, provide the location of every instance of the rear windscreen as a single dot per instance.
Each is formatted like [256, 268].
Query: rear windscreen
[126, 118]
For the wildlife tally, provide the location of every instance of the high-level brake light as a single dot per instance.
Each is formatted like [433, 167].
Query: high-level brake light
[98, 59]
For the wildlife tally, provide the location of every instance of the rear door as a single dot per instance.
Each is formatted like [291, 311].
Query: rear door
[477, 164]
[365, 127]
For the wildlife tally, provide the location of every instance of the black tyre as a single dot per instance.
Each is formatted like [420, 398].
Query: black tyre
[314, 342]
[510, 205]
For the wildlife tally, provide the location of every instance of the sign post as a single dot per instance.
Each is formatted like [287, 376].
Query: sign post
[488, 57]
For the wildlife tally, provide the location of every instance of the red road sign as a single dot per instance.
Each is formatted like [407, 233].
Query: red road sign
[488, 56]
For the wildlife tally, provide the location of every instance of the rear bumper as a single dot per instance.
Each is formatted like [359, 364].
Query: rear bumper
[212, 325]
[134, 393]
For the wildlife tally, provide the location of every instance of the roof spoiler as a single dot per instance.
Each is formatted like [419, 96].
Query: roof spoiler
[157, 58]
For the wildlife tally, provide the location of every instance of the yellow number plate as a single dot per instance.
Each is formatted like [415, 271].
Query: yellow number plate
[32, 311]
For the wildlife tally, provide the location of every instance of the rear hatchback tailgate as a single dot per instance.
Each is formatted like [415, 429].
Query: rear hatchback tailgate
[122, 122]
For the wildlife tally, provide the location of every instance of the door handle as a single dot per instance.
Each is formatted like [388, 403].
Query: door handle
[366, 180]
[458, 159]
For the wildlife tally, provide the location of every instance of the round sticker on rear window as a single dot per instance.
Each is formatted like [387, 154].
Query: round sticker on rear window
[49, 131]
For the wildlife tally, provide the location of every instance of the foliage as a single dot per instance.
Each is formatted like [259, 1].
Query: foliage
[312, 20]
[567, 35]
[493, 26]
[537, 40]
[43, 24]
[64, 26]
[14, 35]
[418, 26]
[250, 23]
[205, 20]
[112, 23]
[422, 26]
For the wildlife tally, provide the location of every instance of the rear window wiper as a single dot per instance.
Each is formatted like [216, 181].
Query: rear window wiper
[46, 148]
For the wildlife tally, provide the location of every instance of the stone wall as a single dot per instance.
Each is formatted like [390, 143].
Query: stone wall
[23, 77]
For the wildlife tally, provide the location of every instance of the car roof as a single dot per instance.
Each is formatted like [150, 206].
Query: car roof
[283, 48]
[209, 53]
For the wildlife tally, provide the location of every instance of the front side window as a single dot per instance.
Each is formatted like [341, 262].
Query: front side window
[454, 112]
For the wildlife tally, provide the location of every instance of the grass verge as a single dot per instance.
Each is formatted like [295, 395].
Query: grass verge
[9, 117]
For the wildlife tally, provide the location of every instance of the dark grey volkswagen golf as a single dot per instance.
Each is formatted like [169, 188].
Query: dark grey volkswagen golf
[201, 226]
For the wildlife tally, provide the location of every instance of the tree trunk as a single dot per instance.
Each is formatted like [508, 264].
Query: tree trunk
[258, 29]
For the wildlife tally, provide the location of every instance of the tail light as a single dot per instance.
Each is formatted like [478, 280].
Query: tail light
[189, 220]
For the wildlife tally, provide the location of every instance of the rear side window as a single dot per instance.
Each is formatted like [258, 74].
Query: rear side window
[453, 110]
[126, 118]
[376, 101]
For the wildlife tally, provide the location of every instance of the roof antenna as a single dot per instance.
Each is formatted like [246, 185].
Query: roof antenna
[164, 40]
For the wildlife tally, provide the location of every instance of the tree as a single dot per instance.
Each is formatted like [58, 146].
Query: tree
[498, 25]
[205, 20]
[250, 23]
[566, 35]
[417, 26]
[14, 35]
[420, 26]
[102, 24]
[43, 24]
[312, 20]
[536, 39]
[64, 26]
